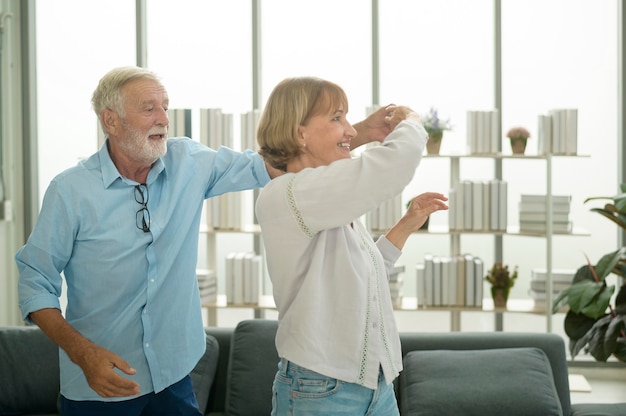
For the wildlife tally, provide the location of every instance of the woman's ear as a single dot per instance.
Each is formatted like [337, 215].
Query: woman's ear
[302, 136]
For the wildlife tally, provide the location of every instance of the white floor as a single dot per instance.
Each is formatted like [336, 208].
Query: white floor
[607, 385]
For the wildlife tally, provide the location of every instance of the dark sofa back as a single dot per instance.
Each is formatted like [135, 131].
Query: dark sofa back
[29, 369]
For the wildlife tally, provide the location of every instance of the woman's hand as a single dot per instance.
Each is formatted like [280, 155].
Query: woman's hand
[419, 209]
[379, 124]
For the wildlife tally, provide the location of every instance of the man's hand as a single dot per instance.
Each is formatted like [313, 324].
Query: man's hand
[99, 366]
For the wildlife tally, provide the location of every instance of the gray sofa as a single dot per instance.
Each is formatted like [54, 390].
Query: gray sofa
[445, 373]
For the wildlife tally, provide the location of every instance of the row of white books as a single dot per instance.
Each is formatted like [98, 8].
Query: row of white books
[180, 122]
[533, 213]
[483, 134]
[561, 280]
[450, 281]
[386, 215]
[207, 285]
[478, 205]
[244, 273]
[557, 132]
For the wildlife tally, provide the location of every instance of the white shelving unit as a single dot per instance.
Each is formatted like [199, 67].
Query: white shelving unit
[410, 303]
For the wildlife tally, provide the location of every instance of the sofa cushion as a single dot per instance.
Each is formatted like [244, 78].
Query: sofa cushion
[32, 360]
[509, 381]
[252, 366]
[203, 374]
[599, 409]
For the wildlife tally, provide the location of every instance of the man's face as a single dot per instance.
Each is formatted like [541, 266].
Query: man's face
[143, 132]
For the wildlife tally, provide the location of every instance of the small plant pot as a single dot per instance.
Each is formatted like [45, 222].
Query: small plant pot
[518, 146]
[500, 296]
[434, 143]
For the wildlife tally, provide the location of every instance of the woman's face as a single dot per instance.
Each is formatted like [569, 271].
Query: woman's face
[326, 137]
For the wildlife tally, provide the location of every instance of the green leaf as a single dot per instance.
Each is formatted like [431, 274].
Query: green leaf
[596, 335]
[589, 298]
[620, 350]
[576, 325]
[613, 332]
[620, 301]
[608, 262]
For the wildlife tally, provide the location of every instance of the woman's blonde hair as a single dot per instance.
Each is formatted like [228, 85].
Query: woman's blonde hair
[290, 105]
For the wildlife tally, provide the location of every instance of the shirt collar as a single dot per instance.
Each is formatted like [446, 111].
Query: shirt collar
[110, 173]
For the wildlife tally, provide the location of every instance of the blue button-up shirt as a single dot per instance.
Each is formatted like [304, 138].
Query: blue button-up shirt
[132, 292]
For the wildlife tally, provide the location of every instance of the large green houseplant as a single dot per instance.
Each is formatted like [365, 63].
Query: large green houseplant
[591, 321]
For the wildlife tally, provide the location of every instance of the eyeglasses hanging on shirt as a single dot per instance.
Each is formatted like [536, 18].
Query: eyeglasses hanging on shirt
[143, 215]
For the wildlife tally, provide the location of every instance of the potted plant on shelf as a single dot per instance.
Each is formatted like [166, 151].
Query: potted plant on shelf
[435, 127]
[518, 136]
[502, 280]
[592, 322]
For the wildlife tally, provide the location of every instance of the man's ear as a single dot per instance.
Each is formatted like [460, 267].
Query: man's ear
[110, 120]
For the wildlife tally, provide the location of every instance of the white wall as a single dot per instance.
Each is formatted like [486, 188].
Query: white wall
[432, 54]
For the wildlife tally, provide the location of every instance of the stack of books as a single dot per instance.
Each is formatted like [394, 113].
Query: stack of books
[561, 280]
[450, 281]
[395, 285]
[533, 215]
[207, 285]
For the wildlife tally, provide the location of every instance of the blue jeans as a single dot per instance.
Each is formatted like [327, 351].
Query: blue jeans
[301, 392]
[178, 399]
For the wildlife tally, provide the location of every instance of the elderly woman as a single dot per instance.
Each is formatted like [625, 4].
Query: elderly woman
[337, 338]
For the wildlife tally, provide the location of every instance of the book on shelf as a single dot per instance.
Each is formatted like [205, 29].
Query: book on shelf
[445, 280]
[180, 122]
[470, 277]
[468, 204]
[541, 207]
[526, 216]
[429, 276]
[544, 134]
[479, 272]
[482, 132]
[207, 285]
[557, 227]
[540, 286]
[420, 284]
[478, 206]
[450, 280]
[243, 274]
[556, 199]
[557, 275]
[558, 132]
[459, 261]
[437, 278]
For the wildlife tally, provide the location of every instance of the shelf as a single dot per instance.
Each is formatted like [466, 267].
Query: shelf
[499, 156]
[511, 230]
[246, 229]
